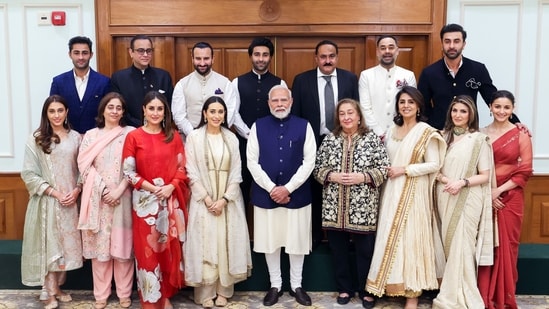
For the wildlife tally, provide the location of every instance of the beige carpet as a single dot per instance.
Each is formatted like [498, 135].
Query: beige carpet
[241, 300]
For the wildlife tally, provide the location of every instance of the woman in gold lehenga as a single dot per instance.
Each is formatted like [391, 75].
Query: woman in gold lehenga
[217, 250]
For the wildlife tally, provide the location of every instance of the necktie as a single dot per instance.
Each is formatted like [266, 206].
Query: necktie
[329, 105]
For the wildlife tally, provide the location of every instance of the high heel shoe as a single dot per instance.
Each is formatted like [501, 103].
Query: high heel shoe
[220, 301]
[51, 303]
[208, 303]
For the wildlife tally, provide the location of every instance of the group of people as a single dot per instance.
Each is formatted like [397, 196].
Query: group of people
[154, 181]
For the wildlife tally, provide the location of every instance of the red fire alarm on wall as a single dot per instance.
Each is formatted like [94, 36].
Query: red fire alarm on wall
[58, 18]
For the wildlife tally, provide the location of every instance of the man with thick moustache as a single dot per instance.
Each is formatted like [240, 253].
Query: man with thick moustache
[281, 156]
[310, 93]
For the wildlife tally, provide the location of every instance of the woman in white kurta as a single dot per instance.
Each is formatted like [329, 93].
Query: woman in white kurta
[217, 250]
[464, 207]
[404, 255]
[51, 241]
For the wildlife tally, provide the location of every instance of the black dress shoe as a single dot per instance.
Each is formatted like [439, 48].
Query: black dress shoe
[343, 300]
[301, 296]
[272, 297]
[368, 304]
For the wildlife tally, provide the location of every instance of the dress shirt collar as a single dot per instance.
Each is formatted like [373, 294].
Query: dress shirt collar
[319, 74]
[449, 70]
[86, 76]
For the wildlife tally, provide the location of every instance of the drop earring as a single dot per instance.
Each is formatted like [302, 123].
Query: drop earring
[164, 123]
[490, 113]
[418, 113]
[145, 122]
[66, 121]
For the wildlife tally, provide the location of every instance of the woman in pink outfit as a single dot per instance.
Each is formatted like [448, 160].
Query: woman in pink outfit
[105, 215]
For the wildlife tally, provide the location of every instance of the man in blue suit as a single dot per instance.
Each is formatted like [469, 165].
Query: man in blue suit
[310, 97]
[82, 87]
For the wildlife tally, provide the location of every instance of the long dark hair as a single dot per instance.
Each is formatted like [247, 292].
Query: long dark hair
[211, 100]
[100, 119]
[44, 135]
[418, 99]
[168, 126]
[472, 122]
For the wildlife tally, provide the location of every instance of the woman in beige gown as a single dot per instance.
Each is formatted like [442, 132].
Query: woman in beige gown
[464, 207]
[404, 253]
[217, 250]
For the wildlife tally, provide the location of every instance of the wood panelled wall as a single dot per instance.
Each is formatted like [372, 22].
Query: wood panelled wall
[535, 227]
[295, 26]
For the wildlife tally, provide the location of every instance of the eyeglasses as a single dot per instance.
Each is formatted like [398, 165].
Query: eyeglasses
[142, 51]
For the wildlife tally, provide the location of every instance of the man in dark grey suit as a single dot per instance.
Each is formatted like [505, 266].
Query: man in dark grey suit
[311, 91]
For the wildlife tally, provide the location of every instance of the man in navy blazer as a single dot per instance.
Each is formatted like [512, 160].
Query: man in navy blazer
[81, 87]
[309, 103]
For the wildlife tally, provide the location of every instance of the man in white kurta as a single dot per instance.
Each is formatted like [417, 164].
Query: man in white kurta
[281, 155]
[191, 91]
[378, 86]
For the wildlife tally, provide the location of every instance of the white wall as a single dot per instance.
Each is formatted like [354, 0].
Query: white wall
[31, 56]
[512, 38]
[509, 36]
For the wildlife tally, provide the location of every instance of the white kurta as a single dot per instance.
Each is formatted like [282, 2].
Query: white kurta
[282, 227]
[377, 88]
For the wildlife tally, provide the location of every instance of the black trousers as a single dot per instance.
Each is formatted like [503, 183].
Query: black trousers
[340, 246]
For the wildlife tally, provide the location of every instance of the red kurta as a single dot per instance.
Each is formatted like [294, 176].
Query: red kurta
[513, 161]
[158, 226]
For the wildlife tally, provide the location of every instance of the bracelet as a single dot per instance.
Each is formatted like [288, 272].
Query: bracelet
[226, 199]
[50, 191]
[365, 178]
[466, 181]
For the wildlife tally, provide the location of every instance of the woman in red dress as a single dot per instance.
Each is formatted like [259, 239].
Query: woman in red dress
[513, 166]
[154, 163]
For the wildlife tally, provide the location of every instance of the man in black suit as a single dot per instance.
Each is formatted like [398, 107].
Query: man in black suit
[310, 95]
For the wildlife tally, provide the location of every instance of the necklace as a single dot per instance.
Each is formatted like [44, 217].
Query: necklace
[459, 131]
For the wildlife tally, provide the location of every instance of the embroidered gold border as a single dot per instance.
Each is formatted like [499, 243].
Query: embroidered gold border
[376, 287]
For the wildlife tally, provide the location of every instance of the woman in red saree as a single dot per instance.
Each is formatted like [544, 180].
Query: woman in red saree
[154, 163]
[513, 166]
